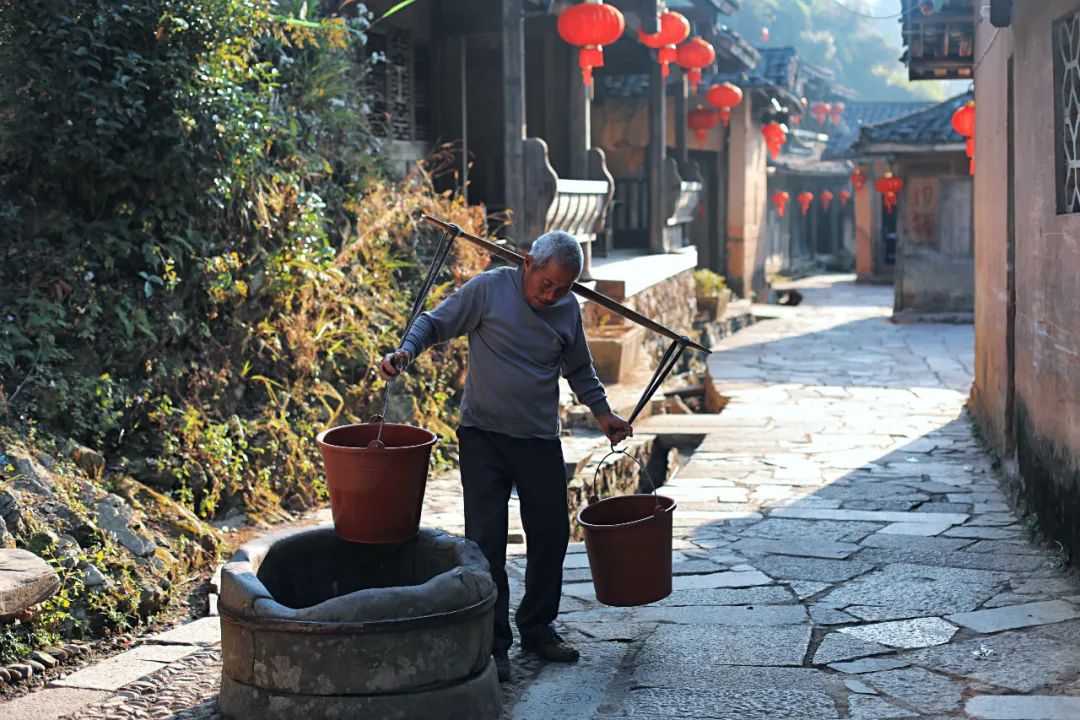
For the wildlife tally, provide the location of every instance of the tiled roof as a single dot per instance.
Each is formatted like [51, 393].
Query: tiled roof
[926, 126]
[721, 6]
[733, 52]
[775, 73]
[857, 115]
[779, 66]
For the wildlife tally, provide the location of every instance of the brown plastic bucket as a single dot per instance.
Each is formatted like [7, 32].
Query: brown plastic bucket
[376, 488]
[628, 540]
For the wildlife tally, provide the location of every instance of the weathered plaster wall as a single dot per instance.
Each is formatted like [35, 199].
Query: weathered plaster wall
[935, 267]
[747, 198]
[1047, 274]
[621, 127]
[1047, 288]
[989, 395]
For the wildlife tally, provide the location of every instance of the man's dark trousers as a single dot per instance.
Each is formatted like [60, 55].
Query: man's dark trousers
[491, 464]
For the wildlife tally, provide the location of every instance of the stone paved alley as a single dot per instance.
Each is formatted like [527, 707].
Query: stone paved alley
[843, 550]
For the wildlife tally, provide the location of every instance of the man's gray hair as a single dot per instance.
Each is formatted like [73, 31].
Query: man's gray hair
[562, 247]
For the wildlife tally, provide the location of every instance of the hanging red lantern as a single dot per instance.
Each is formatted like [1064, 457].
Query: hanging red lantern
[826, 200]
[821, 110]
[674, 28]
[779, 199]
[890, 186]
[723, 97]
[858, 180]
[845, 195]
[701, 121]
[805, 198]
[837, 111]
[775, 136]
[693, 56]
[764, 34]
[963, 122]
[590, 26]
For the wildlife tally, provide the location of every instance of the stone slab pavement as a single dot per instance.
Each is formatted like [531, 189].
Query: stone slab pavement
[842, 549]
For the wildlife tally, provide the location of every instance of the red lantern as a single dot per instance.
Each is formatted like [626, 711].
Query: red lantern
[826, 200]
[590, 26]
[723, 97]
[805, 198]
[779, 199]
[963, 122]
[701, 121]
[845, 195]
[821, 110]
[836, 112]
[775, 136]
[890, 186]
[764, 34]
[674, 28]
[858, 180]
[692, 56]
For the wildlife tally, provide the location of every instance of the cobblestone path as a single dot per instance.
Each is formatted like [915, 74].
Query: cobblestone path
[842, 550]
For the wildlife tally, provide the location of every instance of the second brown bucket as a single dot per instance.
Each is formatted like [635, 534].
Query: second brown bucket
[628, 540]
[376, 488]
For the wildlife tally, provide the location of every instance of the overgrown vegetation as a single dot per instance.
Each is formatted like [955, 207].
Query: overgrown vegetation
[201, 256]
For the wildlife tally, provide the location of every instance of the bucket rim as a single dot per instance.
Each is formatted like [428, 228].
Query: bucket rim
[628, 523]
[320, 440]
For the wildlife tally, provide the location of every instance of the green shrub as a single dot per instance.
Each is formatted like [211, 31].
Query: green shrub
[707, 283]
[201, 257]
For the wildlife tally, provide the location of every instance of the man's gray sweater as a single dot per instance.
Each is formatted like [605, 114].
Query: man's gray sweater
[515, 354]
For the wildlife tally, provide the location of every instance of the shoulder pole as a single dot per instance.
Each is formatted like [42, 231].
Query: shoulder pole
[587, 293]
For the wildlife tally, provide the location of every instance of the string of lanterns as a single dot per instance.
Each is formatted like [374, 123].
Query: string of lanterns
[889, 186]
[693, 56]
[775, 134]
[590, 26]
[826, 200]
[806, 198]
[779, 200]
[674, 28]
[724, 97]
[963, 122]
[701, 120]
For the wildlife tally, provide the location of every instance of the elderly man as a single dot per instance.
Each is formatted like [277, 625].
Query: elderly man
[524, 329]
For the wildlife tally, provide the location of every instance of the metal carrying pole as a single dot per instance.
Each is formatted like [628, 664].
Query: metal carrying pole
[587, 293]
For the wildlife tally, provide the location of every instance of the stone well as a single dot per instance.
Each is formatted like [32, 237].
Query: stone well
[314, 627]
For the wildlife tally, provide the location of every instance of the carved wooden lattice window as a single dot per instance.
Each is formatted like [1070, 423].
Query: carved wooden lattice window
[398, 87]
[1066, 44]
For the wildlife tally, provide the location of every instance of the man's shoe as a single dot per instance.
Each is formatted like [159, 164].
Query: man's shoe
[552, 648]
[502, 665]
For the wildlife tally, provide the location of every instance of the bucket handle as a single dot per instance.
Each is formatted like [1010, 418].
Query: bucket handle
[595, 497]
[377, 443]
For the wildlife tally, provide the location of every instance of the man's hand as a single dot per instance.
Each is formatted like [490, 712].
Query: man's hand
[394, 363]
[614, 427]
